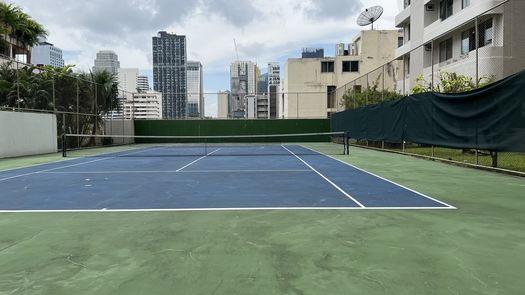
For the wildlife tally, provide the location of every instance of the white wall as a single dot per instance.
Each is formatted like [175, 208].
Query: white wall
[24, 134]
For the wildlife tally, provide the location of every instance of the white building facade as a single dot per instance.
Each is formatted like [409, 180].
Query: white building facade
[144, 106]
[46, 53]
[481, 39]
[142, 83]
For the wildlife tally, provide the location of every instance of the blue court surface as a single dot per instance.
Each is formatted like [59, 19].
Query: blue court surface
[226, 178]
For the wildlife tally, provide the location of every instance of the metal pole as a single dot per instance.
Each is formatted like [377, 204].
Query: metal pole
[477, 50]
[17, 87]
[64, 138]
[54, 97]
[432, 65]
[367, 88]
[78, 111]
[404, 75]
[433, 151]
[383, 85]
[297, 99]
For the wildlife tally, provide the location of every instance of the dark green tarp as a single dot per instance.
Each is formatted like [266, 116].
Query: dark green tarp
[489, 118]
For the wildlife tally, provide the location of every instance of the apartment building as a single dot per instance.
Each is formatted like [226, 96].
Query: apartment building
[223, 100]
[309, 83]
[476, 38]
[195, 105]
[144, 106]
[45, 53]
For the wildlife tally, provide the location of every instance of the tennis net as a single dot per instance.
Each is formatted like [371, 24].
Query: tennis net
[82, 145]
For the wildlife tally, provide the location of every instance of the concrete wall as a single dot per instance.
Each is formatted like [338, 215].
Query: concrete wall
[24, 134]
[119, 127]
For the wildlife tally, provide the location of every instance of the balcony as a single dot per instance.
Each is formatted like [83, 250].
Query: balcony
[458, 19]
[402, 17]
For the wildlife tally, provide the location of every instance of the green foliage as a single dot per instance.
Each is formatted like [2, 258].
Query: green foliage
[18, 25]
[450, 82]
[369, 96]
[84, 97]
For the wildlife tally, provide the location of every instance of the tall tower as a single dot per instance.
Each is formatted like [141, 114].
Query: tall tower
[169, 73]
[195, 106]
[106, 60]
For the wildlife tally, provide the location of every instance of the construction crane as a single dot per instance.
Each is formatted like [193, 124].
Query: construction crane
[236, 51]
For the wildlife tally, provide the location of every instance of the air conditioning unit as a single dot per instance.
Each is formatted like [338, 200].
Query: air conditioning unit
[430, 7]
[428, 47]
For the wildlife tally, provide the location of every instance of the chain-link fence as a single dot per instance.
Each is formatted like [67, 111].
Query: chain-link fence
[478, 51]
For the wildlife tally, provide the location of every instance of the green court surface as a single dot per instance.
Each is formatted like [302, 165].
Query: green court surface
[476, 249]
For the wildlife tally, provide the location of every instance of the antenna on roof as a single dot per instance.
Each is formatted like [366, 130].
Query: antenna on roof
[369, 16]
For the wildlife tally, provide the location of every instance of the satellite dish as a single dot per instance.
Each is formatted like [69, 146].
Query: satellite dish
[369, 16]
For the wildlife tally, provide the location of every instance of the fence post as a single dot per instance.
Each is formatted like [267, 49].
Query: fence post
[477, 157]
[383, 85]
[433, 154]
[477, 50]
[297, 105]
[367, 87]
[432, 65]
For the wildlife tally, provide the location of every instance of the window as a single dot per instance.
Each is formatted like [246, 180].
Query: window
[465, 4]
[327, 67]
[399, 41]
[350, 66]
[406, 3]
[468, 41]
[485, 33]
[445, 8]
[445, 50]
[330, 97]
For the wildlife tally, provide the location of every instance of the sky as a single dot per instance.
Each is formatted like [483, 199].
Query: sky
[264, 30]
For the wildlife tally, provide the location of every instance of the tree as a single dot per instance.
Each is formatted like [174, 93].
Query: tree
[354, 98]
[17, 25]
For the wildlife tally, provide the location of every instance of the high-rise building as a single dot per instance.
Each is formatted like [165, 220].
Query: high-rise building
[128, 80]
[142, 83]
[106, 60]
[262, 84]
[243, 81]
[274, 84]
[223, 100]
[45, 53]
[195, 105]
[169, 73]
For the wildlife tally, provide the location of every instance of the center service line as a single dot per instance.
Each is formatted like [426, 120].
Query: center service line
[325, 178]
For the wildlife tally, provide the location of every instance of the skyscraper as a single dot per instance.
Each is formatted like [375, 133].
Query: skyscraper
[142, 83]
[169, 73]
[274, 83]
[106, 60]
[195, 106]
[243, 81]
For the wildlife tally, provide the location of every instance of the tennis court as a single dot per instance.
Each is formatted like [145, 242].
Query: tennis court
[163, 177]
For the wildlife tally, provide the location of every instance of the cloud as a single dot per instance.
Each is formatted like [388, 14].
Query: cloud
[334, 9]
[265, 30]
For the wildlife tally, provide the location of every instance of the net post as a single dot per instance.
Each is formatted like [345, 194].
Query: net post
[64, 137]
[347, 143]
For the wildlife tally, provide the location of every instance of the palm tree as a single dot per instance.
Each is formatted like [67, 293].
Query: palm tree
[21, 30]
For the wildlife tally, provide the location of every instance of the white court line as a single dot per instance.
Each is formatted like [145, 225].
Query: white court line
[219, 209]
[325, 178]
[72, 165]
[382, 178]
[171, 171]
[178, 170]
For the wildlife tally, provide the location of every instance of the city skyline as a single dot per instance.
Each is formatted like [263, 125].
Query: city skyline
[210, 31]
